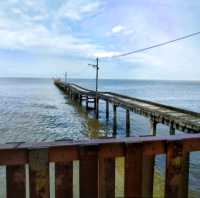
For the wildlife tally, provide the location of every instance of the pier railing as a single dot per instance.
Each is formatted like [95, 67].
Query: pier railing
[96, 166]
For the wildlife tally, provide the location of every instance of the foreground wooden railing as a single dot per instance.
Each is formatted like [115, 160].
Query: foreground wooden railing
[96, 165]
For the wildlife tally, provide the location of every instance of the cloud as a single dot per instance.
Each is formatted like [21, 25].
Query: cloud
[23, 27]
[77, 10]
[105, 54]
[117, 29]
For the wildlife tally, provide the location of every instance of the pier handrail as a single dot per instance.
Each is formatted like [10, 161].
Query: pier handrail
[96, 165]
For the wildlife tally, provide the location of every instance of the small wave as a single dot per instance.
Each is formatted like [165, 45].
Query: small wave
[44, 106]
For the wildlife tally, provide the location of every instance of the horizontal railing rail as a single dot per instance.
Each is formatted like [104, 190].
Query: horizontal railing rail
[96, 165]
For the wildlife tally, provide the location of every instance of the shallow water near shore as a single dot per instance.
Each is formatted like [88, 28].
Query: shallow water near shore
[35, 110]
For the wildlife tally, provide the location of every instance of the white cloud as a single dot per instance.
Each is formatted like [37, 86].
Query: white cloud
[78, 9]
[117, 29]
[121, 30]
[105, 54]
[22, 27]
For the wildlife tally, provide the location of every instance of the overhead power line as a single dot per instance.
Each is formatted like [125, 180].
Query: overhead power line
[155, 46]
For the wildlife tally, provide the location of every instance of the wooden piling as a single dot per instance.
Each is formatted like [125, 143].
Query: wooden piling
[80, 99]
[172, 129]
[86, 103]
[97, 108]
[114, 119]
[107, 110]
[127, 122]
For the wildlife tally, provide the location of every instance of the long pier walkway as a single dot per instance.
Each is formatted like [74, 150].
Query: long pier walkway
[176, 118]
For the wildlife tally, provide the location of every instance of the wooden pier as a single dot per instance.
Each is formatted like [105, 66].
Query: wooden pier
[28, 163]
[176, 118]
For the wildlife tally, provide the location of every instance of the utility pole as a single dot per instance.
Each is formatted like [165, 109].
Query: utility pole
[97, 78]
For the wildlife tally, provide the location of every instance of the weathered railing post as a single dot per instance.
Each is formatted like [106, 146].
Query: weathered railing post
[64, 179]
[15, 179]
[127, 122]
[148, 166]
[176, 184]
[39, 173]
[107, 110]
[133, 170]
[114, 119]
[185, 166]
[107, 177]
[88, 172]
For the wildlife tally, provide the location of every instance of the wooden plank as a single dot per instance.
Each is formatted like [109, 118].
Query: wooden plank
[133, 170]
[63, 154]
[111, 150]
[64, 180]
[88, 172]
[154, 147]
[39, 173]
[107, 178]
[175, 185]
[15, 179]
[192, 144]
[13, 157]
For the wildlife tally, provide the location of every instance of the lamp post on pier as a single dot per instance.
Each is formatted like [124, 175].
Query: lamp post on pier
[97, 78]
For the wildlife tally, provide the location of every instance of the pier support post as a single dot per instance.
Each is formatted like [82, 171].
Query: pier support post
[80, 99]
[107, 110]
[86, 103]
[172, 129]
[148, 167]
[114, 119]
[97, 107]
[127, 122]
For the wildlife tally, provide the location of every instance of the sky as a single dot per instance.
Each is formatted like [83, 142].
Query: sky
[46, 38]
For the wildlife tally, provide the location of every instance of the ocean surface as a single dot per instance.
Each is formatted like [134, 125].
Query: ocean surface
[35, 110]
